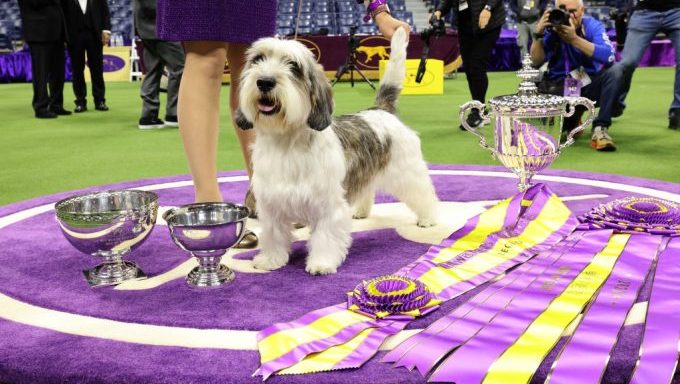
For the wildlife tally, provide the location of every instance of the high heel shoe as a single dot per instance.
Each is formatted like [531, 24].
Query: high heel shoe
[248, 241]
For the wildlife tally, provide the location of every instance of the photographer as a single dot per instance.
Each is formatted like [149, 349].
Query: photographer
[479, 26]
[528, 12]
[649, 18]
[578, 53]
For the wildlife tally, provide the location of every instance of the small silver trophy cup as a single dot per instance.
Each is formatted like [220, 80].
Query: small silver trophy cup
[528, 126]
[207, 230]
[108, 225]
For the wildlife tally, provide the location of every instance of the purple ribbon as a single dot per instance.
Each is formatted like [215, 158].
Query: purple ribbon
[391, 297]
[521, 220]
[426, 348]
[586, 355]
[470, 363]
[659, 351]
[635, 215]
[510, 222]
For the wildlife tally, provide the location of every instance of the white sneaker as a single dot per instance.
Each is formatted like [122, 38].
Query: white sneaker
[601, 141]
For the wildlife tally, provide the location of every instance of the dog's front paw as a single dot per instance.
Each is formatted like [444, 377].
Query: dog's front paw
[320, 268]
[269, 262]
[424, 223]
[359, 215]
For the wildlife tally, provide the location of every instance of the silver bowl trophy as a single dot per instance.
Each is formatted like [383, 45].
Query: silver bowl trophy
[108, 225]
[207, 230]
[528, 126]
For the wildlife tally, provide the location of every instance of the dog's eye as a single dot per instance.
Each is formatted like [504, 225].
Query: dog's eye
[257, 59]
[295, 68]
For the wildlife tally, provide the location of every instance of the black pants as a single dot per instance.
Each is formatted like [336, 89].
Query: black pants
[47, 69]
[87, 41]
[475, 49]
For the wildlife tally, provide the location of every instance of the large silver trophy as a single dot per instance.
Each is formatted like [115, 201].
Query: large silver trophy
[528, 126]
[108, 225]
[207, 230]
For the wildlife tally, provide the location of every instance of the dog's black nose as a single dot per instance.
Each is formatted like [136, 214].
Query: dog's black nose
[266, 84]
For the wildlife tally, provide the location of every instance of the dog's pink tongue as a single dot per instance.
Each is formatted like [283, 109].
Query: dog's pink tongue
[265, 108]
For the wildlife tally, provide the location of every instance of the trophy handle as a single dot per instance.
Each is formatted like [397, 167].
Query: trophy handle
[571, 109]
[470, 105]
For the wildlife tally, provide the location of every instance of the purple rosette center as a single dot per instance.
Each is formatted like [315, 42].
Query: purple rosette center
[389, 296]
[637, 214]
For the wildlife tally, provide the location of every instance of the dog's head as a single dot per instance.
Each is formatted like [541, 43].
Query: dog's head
[283, 88]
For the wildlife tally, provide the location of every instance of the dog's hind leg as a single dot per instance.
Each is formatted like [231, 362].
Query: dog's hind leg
[275, 241]
[363, 204]
[414, 188]
[330, 240]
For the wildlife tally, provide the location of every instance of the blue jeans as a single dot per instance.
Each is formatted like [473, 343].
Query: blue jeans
[603, 89]
[643, 26]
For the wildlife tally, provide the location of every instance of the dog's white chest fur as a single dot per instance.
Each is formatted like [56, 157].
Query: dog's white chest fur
[295, 173]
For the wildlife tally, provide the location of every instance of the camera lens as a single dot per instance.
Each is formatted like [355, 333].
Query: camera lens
[558, 17]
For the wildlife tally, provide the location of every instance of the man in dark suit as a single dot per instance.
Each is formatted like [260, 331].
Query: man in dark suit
[89, 28]
[43, 26]
[157, 55]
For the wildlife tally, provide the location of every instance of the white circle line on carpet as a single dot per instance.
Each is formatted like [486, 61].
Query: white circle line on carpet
[17, 311]
[22, 215]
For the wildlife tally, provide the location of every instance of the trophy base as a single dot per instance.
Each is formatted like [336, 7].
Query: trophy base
[213, 278]
[112, 274]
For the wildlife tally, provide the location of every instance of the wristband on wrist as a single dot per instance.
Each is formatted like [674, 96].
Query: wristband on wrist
[487, 7]
[537, 35]
[374, 8]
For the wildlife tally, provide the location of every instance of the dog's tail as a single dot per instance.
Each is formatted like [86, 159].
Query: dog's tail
[393, 78]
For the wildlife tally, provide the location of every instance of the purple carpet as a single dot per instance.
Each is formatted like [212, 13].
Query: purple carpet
[40, 268]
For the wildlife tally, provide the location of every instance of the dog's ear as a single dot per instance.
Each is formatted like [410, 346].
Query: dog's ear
[321, 96]
[241, 120]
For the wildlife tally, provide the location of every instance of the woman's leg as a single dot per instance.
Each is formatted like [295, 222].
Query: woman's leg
[198, 114]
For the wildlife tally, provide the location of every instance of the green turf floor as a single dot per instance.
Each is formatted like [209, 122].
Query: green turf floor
[46, 156]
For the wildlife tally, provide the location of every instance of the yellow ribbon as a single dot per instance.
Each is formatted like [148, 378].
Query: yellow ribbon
[552, 217]
[519, 362]
[282, 342]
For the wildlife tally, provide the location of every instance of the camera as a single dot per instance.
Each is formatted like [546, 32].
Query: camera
[558, 17]
[436, 29]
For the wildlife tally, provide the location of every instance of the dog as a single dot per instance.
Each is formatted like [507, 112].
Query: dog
[371, 52]
[310, 168]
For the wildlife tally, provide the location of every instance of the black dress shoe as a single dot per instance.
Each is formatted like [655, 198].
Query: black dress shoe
[45, 115]
[101, 107]
[61, 111]
[80, 108]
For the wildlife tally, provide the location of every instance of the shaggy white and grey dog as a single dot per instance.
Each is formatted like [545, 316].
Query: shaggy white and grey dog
[310, 168]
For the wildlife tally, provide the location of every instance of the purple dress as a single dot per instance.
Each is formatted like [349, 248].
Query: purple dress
[235, 21]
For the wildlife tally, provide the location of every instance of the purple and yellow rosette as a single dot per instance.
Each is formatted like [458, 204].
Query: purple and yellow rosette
[347, 335]
[636, 215]
[392, 297]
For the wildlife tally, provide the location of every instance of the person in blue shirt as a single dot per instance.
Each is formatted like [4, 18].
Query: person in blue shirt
[579, 50]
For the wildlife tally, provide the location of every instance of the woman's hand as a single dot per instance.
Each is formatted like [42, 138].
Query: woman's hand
[484, 18]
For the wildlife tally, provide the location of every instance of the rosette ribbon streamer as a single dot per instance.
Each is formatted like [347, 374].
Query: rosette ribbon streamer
[504, 333]
[347, 335]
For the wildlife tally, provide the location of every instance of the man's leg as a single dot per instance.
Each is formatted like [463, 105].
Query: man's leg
[603, 90]
[76, 50]
[642, 28]
[151, 85]
[95, 61]
[57, 59]
[671, 25]
[173, 56]
[39, 72]
[523, 31]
